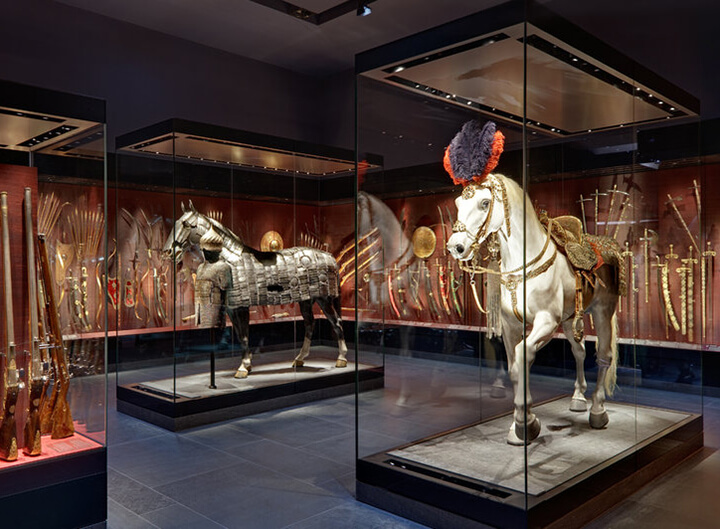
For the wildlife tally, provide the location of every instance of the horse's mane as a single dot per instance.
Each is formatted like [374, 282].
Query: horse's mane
[515, 196]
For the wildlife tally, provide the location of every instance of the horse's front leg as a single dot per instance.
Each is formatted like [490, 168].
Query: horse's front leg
[578, 401]
[526, 426]
[240, 318]
[309, 319]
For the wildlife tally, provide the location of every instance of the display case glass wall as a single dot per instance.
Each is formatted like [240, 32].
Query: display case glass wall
[588, 133]
[264, 195]
[53, 185]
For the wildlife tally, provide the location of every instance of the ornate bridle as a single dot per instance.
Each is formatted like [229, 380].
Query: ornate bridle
[498, 193]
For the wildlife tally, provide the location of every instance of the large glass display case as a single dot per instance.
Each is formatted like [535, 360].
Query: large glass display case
[591, 260]
[53, 389]
[209, 330]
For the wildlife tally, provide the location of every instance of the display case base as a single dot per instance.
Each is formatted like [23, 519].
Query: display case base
[62, 493]
[470, 477]
[270, 386]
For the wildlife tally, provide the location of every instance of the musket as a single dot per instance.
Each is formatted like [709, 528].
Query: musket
[36, 371]
[13, 376]
[59, 423]
[680, 219]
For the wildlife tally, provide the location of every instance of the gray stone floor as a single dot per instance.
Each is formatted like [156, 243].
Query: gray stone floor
[294, 468]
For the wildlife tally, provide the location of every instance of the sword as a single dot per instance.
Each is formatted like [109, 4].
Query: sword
[623, 209]
[582, 209]
[597, 196]
[671, 202]
[706, 287]
[689, 263]
[647, 240]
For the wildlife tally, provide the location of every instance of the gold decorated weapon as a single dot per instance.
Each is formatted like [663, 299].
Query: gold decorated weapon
[582, 210]
[12, 379]
[37, 370]
[705, 285]
[391, 290]
[597, 196]
[672, 203]
[664, 285]
[689, 264]
[623, 210]
[648, 239]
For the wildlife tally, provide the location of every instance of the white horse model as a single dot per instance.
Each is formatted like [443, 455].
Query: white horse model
[540, 291]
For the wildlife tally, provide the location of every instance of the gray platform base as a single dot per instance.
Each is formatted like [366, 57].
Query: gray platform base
[182, 422]
[441, 498]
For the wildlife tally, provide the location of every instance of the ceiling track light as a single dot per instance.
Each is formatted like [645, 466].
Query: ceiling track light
[363, 10]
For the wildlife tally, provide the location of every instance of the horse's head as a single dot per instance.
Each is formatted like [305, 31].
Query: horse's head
[187, 231]
[481, 210]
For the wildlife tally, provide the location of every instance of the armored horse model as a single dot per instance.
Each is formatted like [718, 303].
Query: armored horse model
[293, 275]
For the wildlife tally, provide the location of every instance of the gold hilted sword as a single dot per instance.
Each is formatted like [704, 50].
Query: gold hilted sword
[647, 241]
[597, 194]
[671, 202]
[706, 287]
[629, 256]
[582, 210]
[696, 190]
[614, 192]
[689, 264]
[443, 283]
[623, 209]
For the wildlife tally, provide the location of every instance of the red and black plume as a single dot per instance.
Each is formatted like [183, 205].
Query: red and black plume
[474, 152]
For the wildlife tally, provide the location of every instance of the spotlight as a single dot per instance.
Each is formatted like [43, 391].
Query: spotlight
[363, 10]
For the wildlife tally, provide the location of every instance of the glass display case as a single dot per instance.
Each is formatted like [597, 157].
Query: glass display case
[543, 203]
[53, 332]
[228, 247]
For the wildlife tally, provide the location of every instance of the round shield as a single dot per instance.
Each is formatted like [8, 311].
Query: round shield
[424, 242]
[271, 242]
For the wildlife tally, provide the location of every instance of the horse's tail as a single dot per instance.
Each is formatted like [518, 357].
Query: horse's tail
[611, 375]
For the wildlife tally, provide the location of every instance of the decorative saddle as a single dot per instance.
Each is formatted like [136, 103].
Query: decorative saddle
[586, 253]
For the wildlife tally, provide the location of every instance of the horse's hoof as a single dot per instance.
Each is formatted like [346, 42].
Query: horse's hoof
[241, 374]
[533, 430]
[341, 363]
[578, 405]
[513, 439]
[298, 363]
[599, 420]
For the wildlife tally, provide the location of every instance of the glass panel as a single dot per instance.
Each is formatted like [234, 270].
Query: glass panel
[243, 215]
[53, 174]
[570, 218]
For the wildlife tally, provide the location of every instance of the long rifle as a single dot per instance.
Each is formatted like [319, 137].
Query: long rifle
[60, 422]
[36, 372]
[12, 380]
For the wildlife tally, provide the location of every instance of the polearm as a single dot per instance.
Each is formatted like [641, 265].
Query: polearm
[12, 378]
[679, 217]
[60, 422]
[36, 373]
